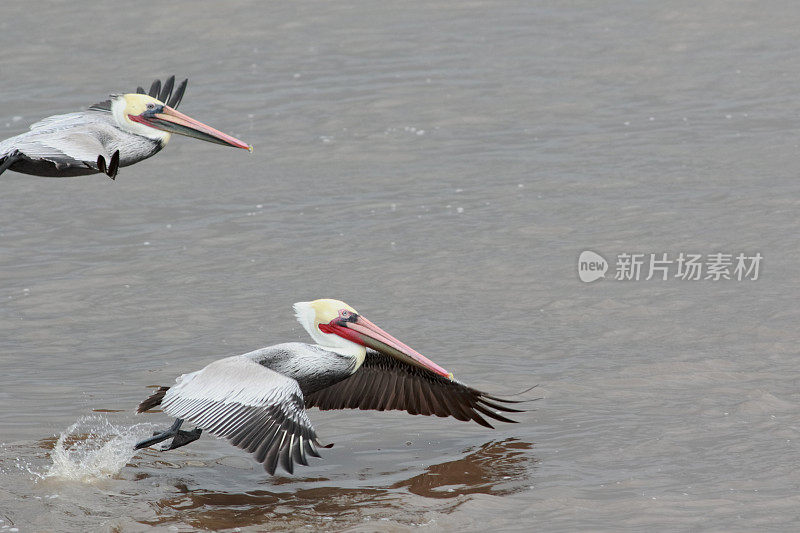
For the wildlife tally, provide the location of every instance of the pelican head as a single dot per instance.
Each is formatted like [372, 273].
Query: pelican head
[146, 116]
[338, 327]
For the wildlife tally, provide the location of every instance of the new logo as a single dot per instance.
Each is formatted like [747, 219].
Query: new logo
[591, 266]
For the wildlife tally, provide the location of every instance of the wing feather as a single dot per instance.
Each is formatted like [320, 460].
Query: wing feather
[391, 387]
[454, 407]
[166, 90]
[266, 444]
[412, 396]
[155, 89]
[310, 449]
[303, 460]
[71, 140]
[163, 93]
[385, 383]
[177, 95]
[255, 408]
[441, 404]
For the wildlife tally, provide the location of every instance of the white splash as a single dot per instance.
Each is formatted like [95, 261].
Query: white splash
[93, 448]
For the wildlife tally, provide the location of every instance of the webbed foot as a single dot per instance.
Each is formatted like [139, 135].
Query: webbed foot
[182, 438]
[160, 436]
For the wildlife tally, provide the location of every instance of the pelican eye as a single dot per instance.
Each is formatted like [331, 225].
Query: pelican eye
[151, 105]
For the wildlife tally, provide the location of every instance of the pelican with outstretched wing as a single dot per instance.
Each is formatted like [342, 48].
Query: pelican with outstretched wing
[258, 400]
[118, 132]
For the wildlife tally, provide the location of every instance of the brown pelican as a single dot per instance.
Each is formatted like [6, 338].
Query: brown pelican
[115, 133]
[258, 400]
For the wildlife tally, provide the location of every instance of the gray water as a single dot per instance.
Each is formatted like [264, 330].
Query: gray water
[439, 166]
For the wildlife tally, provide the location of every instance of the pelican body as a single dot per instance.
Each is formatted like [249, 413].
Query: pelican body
[118, 132]
[258, 400]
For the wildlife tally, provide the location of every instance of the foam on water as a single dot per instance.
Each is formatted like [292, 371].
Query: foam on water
[93, 448]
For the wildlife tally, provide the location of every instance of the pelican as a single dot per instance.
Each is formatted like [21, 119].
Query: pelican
[258, 400]
[118, 132]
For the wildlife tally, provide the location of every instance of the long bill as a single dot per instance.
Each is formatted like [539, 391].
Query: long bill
[173, 121]
[364, 332]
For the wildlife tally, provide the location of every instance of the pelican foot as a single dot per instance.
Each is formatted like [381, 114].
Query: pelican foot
[182, 438]
[111, 169]
[160, 436]
[114, 166]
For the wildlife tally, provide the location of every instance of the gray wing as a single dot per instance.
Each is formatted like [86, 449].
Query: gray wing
[73, 140]
[255, 408]
[383, 383]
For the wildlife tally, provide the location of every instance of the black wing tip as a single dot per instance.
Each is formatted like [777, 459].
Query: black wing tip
[177, 95]
[506, 400]
[489, 405]
[286, 460]
[155, 88]
[482, 421]
[166, 92]
[499, 407]
[8, 160]
[494, 415]
[105, 105]
[152, 400]
[166, 89]
[286, 456]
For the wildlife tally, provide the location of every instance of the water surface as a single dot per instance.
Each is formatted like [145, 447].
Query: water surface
[439, 166]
